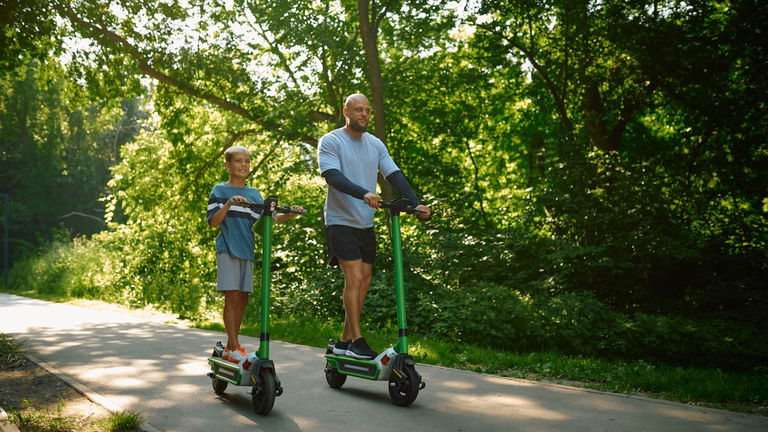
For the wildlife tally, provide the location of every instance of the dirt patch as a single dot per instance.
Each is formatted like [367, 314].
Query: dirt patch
[26, 386]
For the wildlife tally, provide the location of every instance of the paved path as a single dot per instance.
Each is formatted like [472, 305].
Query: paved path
[159, 370]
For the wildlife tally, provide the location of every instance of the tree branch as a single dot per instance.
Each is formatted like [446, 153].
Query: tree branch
[565, 120]
[144, 66]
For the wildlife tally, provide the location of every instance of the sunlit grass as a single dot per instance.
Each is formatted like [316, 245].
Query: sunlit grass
[29, 419]
[124, 421]
[37, 420]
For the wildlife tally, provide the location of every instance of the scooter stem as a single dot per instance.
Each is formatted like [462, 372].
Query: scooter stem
[402, 340]
[266, 279]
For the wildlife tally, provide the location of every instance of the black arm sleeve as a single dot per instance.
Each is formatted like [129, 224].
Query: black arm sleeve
[336, 179]
[400, 183]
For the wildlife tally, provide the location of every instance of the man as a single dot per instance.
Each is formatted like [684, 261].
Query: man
[350, 159]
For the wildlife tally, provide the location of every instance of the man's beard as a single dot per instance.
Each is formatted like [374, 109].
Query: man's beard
[357, 127]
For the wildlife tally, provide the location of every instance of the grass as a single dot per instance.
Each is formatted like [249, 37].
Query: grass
[736, 391]
[11, 351]
[36, 420]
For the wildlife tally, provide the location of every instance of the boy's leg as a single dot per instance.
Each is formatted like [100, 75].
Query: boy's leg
[234, 307]
[235, 280]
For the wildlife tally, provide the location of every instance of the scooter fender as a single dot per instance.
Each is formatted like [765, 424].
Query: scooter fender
[267, 365]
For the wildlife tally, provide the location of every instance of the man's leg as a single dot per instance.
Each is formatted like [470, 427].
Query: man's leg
[357, 280]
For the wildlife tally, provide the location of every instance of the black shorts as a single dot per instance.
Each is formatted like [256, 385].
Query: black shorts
[350, 244]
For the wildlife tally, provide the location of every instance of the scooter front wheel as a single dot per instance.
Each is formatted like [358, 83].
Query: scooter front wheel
[218, 385]
[334, 378]
[263, 392]
[404, 389]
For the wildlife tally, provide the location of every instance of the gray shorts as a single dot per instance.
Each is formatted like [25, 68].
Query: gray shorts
[234, 274]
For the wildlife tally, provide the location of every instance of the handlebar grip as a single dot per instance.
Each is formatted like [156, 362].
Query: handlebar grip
[290, 210]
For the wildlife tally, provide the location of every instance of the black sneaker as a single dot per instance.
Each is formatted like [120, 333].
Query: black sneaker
[340, 348]
[359, 349]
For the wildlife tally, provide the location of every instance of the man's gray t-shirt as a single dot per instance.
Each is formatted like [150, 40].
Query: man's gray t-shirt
[360, 160]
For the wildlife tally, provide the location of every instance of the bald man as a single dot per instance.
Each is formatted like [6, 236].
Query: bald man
[350, 159]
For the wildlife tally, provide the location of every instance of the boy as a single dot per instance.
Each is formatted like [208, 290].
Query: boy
[235, 243]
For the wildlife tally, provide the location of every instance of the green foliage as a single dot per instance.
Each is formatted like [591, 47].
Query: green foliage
[124, 421]
[56, 146]
[593, 190]
[63, 270]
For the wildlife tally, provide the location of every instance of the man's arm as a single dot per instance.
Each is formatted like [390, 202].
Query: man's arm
[341, 183]
[400, 183]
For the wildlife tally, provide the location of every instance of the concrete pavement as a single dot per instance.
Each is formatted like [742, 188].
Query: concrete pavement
[159, 370]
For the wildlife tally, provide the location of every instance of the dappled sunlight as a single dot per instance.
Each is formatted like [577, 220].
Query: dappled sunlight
[306, 422]
[161, 371]
[703, 416]
[462, 385]
[197, 367]
[504, 406]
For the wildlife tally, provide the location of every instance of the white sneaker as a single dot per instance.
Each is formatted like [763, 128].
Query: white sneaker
[235, 356]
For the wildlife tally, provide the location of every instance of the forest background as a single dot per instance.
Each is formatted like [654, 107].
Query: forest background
[596, 169]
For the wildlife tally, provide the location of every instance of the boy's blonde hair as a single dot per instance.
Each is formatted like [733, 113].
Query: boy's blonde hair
[230, 153]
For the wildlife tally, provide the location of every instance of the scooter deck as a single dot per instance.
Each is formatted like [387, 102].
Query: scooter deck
[356, 367]
[228, 371]
[378, 368]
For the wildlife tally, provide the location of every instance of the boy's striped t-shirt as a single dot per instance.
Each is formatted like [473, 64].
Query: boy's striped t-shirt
[236, 232]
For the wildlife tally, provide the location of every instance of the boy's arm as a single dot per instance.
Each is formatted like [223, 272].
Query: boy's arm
[282, 217]
[221, 214]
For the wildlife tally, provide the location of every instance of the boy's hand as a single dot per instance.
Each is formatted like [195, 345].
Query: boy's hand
[237, 199]
[292, 215]
[281, 217]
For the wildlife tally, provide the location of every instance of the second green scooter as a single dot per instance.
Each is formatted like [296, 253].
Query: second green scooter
[394, 364]
[257, 370]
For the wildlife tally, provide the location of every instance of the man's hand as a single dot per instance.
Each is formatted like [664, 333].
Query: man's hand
[427, 212]
[372, 200]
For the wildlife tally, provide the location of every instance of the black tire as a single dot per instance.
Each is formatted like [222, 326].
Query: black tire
[334, 378]
[263, 394]
[218, 385]
[404, 391]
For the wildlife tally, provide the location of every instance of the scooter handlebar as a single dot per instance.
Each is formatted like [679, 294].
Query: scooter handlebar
[403, 205]
[282, 209]
[289, 210]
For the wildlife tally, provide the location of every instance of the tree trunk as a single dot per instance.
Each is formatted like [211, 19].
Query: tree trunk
[369, 34]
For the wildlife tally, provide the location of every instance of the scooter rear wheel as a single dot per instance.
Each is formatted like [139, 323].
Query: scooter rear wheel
[334, 378]
[263, 393]
[218, 385]
[403, 391]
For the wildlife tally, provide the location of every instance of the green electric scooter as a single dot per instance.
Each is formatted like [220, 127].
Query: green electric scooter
[394, 364]
[256, 370]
